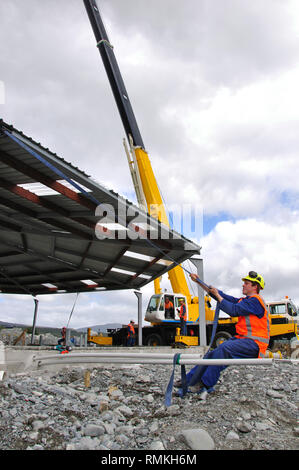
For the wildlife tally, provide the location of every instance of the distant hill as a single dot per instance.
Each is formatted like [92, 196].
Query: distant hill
[57, 331]
[40, 330]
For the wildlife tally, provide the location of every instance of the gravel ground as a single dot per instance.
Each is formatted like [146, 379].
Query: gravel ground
[252, 408]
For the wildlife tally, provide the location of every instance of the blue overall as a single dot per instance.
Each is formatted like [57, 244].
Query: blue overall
[183, 322]
[233, 348]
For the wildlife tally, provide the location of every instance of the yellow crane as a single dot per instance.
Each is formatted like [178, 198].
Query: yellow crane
[164, 321]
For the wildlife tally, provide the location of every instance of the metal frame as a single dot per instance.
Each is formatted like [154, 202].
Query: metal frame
[51, 238]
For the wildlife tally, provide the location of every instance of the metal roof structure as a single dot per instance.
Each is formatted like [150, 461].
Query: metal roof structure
[60, 231]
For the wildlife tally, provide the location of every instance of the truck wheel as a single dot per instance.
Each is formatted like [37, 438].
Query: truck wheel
[154, 340]
[220, 337]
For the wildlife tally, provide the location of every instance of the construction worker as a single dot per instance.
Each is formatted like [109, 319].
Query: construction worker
[168, 308]
[183, 316]
[252, 332]
[63, 336]
[131, 334]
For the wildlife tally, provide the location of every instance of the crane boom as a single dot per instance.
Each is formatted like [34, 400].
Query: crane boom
[113, 72]
[150, 187]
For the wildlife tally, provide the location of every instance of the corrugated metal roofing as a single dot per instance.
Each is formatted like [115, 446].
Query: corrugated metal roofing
[49, 228]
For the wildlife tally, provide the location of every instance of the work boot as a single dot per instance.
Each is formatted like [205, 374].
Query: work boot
[202, 394]
[195, 388]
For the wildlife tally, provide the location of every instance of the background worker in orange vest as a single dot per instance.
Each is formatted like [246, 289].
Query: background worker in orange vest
[63, 336]
[183, 316]
[168, 308]
[252, 332]
[131, 334]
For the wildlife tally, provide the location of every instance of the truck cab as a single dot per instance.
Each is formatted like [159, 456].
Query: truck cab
[284, 319]
[283, 307]
[164, 307]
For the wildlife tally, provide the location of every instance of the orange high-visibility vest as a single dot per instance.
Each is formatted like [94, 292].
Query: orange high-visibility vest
[258, 329]
[131, 330]
[168, 305]
[182, 315]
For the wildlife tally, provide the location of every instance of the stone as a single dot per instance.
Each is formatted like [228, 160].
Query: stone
[274, 394]
[156, 445]
[154, 427]
[173, 410]
[245, 415]
[149, 399]
[243, 426]
[38, 425]
[107, 416]
[262, 426]
[87, 443]
[143, 379]
[103, 406]
[125, 411]
[232, 435]
[94, 430]
[198, 439]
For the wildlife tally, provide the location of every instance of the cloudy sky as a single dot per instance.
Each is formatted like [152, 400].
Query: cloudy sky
[214, 87]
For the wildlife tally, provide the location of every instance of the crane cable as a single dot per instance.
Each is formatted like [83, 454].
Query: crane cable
[72, 310]
[171, 224]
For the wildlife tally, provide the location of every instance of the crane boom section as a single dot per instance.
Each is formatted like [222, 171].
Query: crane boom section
[113, 72]
[151, 190]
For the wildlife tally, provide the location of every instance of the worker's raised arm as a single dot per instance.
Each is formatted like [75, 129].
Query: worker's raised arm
[212, 291]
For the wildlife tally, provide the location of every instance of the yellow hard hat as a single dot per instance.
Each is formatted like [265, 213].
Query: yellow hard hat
[255, 277]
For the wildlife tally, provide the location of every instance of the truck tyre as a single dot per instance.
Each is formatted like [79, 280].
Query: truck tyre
[220, 337]
[154, 340]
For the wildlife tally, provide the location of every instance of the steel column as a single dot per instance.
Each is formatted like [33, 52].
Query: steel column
[198, 263]
[139, 297]
[34, 319]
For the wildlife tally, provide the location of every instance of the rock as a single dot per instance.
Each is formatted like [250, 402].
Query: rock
[107, 416]
[125, 411]
[103, 405]
[145, 379]
[33, 436]
[198, 439]
[126, 429]
[115, 393]
[94, 430]
[123, 439]
[245, 415]
[263, 426]
[274, 394]
[232, 435]
[37, 447]
[243, 426]
[278, 386]
[154, 427]
[109, 428]
[38, 425]
[87, 443]
[156, 445]
[149, 399]
[173, 410]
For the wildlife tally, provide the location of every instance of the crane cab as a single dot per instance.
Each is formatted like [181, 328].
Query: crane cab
[164, 307]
